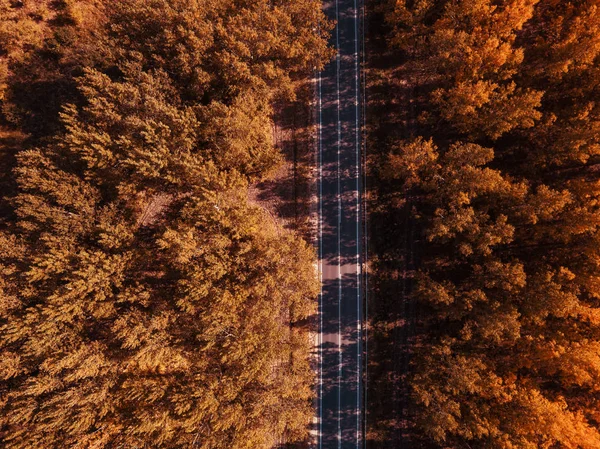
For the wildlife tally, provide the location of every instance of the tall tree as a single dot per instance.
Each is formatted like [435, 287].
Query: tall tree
[144, 302]
[507, 209]
[469, 48]
[505, 356]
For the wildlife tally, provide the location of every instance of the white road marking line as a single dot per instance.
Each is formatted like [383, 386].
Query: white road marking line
[358, 283]
[366, 231]
[339, 201]
[358, 222]
[320, 231]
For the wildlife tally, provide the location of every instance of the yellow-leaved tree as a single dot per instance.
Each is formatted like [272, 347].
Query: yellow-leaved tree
[501, 185]
[144, 301]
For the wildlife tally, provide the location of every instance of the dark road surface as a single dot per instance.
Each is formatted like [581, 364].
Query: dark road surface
[340, 387]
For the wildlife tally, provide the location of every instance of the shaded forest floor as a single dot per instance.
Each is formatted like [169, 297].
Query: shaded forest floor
[10, 142]
[289, 194]
[393, 245]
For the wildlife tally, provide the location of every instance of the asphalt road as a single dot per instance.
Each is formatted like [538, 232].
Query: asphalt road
[340, 388]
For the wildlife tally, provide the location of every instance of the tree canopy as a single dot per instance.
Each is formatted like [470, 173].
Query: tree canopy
[144, 300]
[501, 170]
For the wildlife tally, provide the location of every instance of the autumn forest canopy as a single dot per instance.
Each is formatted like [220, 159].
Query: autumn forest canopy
[497, 165]
[144, 300]
[147, 301]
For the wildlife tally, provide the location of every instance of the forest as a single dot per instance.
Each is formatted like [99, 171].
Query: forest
[493, 157]
[144, 300]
